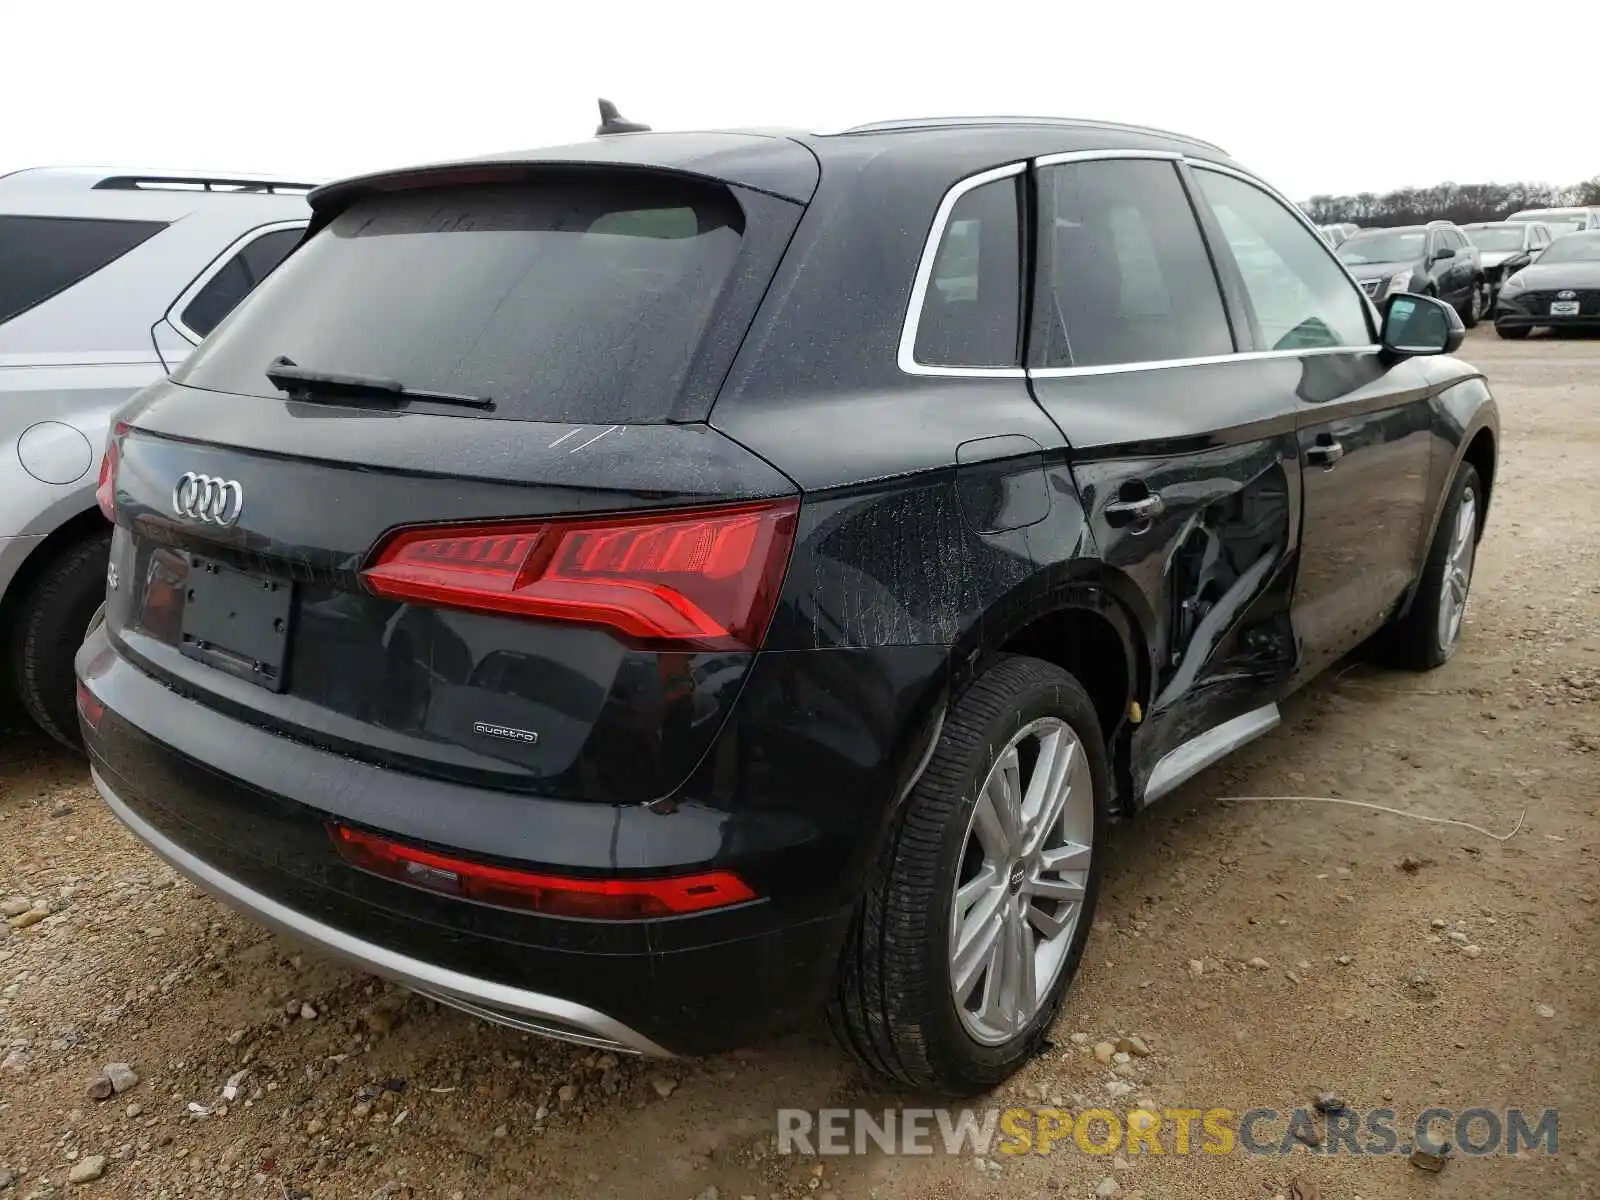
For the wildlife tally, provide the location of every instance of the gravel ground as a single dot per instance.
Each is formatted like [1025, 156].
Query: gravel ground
[1359, 925]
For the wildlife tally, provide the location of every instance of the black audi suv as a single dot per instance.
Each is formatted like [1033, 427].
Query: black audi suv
[648, 590]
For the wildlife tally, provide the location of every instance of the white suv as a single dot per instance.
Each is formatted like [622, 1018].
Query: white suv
[110, 279]
[1561, 220]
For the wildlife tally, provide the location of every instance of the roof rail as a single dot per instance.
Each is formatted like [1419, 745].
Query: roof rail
[913, 123]
[202, 183]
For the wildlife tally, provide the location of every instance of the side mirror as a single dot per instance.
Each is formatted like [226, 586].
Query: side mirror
[1419, 325]
[1444, 252]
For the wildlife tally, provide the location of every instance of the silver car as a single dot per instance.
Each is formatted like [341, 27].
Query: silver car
[109, 280]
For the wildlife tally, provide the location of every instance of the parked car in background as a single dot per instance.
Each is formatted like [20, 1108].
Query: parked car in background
[635, 592]
[108, 279]
[1435, 259]
[1559, 290]
[1561, 221]
[1504, 248]
[1334, 235]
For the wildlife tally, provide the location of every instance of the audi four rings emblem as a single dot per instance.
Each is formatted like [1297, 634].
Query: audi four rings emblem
[207, 498]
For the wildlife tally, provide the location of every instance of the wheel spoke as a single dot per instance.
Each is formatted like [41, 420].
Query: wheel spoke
[1051, 925]
[1008, 796]
[1022, 946]
[995, 1010]
[1067, 857]
[988, 827]
[1052, 889]
[987, 880]
[1049, 788]
[978, 942]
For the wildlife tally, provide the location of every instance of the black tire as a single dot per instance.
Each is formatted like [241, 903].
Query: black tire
[49, 625]
[894, 1009]
[1414, 641]
[1513, 333]
[1470, 318]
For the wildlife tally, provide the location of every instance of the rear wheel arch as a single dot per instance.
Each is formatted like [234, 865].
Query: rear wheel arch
[44, 614]
[1092, 643]
[86, 524]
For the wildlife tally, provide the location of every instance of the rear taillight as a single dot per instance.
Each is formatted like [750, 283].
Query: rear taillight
[705, 579]
[105, 492]
[90, 709]
[614, 899]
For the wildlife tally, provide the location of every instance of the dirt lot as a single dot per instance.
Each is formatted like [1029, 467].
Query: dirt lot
[356, 1090]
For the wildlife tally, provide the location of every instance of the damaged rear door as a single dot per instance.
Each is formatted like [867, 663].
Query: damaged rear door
[1183, 450]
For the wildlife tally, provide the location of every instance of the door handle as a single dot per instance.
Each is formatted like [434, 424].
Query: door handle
[1136, 515]
[1325, 454]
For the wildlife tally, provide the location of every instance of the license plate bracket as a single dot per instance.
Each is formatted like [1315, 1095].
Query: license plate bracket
[1563, 308]
[237, 621]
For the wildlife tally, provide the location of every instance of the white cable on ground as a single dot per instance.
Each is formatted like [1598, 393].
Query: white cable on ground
[1399, 812]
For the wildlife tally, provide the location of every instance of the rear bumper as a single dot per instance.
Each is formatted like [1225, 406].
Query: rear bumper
[245, 813]
[529, 1010]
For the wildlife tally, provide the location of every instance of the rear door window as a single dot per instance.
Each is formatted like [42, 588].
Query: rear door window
[236, 279]
[1129, 277]
[44, 256]
[570, 301]
[971, 310]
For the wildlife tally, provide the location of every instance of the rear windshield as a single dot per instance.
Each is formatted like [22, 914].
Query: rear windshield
[574, 301]
[1497, 237]
[1383, 246]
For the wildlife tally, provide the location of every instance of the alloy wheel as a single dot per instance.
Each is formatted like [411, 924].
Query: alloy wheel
[1019, 891]
[1458, 569]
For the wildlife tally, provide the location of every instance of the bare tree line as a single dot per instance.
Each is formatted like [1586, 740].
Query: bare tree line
[1458, 202]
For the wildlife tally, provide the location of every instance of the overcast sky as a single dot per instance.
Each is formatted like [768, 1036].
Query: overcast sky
[1401, 94]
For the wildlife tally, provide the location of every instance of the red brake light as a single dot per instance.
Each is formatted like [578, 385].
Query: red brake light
[105, 492]
[88, 707]
[703, 579]
[604, 898]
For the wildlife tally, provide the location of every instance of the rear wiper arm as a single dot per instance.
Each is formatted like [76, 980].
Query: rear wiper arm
[304, 384]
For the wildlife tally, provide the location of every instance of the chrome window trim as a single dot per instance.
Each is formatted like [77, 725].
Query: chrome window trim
[1162, 364]
[1072, 156]
[174, 312]
[907, 357]
[908, 331]
[1373, 328]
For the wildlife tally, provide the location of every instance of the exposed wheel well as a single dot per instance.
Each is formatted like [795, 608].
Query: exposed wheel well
[1087, 645]
[85, 525]
[1480, 453]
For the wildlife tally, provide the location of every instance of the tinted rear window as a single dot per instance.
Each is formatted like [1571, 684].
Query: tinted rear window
[223, 291]
[571, 301]
[43, 256]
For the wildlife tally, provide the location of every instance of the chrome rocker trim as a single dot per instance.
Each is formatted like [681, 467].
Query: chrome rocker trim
[531, 1012]
[1188, 760]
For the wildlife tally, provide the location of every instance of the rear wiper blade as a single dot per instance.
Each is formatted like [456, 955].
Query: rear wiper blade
[303, 383]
